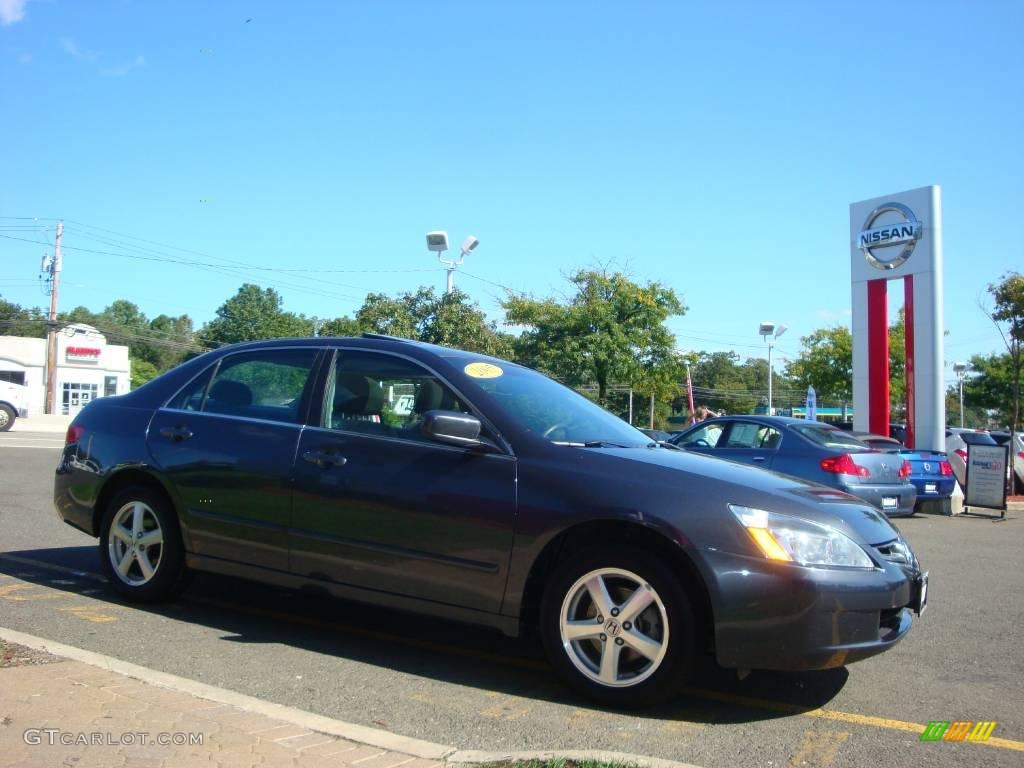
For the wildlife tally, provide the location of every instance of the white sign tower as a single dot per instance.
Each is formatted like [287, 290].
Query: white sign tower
[898, 237]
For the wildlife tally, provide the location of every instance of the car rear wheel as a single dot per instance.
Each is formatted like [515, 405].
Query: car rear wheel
[618, 627]
[140, 545]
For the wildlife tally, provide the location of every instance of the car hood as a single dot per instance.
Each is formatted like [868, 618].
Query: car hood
[709, 484]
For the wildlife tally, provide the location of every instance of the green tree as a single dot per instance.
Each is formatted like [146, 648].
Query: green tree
[341, 326]
[450, 320]
[825, 363]
[609, 329]
[142, 370]
[16, 320]
[1007, 314]
[721, 383]
[254, 313]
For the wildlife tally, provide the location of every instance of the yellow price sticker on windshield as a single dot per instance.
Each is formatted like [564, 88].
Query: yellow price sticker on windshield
[483, 371]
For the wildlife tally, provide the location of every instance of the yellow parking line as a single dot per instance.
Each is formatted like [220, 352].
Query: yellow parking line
[511, 708]
[88, 613]
[833, 714]
[7, 593]
[818, 749]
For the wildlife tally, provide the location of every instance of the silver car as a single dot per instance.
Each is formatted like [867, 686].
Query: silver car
[957, 440]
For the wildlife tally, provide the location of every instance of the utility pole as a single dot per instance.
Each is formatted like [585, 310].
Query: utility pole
[51, 326]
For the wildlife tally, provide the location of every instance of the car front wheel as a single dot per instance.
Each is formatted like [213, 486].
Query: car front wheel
[140, 545]
[619, 628]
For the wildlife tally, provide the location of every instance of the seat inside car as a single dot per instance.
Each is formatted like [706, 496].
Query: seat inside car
[358, 404]
[230, 397]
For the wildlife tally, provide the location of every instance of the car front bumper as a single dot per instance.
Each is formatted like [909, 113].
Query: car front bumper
[778, 616]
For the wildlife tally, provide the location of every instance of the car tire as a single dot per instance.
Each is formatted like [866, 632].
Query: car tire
[7, 417]
[615, 655]
[140, 545]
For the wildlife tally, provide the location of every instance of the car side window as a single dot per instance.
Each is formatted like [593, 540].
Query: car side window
[768, 438]
[190, 398]
[705, 437]
[265, 384]
[383, 395]
[742, 434]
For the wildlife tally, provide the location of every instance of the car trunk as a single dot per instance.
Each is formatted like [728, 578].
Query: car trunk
[883, 467]
[925, 463]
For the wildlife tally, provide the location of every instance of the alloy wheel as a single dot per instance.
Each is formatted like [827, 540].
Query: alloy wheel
[135, 543]
[614, 627]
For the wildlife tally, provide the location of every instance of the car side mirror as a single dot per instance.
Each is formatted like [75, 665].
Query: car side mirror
[452, 427]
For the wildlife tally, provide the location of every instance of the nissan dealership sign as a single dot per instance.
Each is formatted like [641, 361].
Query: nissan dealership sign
[890, 244]
[898, 237]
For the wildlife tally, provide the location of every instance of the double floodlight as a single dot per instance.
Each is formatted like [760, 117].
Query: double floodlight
[768, 328]
[437, 241]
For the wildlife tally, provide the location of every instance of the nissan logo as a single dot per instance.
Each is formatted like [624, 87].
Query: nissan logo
[878, 243]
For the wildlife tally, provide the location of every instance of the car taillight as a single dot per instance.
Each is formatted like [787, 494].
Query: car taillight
[844, 465]
[904, 469]
[1020, 455]
[945, 468]
[74, 434]
[961, 453]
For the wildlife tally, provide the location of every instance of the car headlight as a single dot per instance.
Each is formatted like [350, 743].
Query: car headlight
[790, 539]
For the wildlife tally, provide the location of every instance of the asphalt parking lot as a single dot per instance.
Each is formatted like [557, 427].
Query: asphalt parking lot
[476, 690]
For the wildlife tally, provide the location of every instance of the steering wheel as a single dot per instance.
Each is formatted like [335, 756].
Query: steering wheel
[557, 425]
[700, 442]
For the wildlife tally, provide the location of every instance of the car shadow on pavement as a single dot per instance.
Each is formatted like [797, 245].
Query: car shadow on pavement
[250, 613]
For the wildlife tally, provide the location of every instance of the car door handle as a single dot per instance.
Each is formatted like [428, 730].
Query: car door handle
[760, 458]
[324, 460]
[176, 434]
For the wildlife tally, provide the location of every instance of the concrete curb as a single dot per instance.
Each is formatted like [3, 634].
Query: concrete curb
[353, 732]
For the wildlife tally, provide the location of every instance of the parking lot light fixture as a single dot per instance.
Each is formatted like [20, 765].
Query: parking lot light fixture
[437, 242]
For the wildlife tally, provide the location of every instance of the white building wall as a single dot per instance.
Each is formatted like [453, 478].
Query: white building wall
[87, 367]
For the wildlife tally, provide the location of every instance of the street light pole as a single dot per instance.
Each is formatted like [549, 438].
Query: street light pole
[960, 369]
[770, 333]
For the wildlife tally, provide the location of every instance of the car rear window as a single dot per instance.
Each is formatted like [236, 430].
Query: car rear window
[829, 437]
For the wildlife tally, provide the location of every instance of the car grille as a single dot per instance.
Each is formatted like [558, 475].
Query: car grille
[898, 551]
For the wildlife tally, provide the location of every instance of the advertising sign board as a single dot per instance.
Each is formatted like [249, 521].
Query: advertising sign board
[986, 476]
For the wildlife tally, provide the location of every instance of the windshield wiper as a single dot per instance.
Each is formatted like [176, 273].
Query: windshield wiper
[591, 444]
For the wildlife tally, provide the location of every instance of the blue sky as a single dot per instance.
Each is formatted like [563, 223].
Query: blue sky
[715, 147]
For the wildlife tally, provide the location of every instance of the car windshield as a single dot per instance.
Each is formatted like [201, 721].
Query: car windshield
[556, 412]
[830, 437]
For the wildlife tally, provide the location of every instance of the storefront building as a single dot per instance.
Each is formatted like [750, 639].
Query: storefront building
[87, 368]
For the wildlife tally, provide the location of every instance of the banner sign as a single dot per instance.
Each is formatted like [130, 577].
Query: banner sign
[986, 476]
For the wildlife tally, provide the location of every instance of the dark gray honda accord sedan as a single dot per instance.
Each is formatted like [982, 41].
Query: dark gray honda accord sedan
[443, 482]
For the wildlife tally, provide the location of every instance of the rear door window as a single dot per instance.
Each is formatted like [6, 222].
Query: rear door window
[271, 385]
